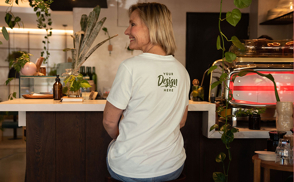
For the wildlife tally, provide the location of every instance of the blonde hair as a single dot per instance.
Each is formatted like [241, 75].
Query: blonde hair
[158, 19]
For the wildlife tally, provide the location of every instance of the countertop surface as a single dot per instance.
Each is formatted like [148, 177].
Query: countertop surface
[208, 116]
[86, 105]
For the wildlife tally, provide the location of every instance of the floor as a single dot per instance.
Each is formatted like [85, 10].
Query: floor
[12, 160]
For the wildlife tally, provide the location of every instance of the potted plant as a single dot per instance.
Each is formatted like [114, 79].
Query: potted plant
[73, 84]
[253, 114]
[21, 63]
[227, 131]
[83, 40]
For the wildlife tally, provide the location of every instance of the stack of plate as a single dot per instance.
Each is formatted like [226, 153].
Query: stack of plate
[266, 155]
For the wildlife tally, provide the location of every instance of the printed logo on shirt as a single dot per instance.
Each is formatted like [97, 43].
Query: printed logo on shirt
[167, 81]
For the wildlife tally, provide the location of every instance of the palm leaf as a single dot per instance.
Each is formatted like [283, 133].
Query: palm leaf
[90, 40]
[93, 49]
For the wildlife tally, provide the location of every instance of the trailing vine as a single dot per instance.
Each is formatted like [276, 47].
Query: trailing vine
[42, 7]
[10, 19]
[227, 131]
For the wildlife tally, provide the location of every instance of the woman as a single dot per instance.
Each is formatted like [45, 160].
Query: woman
[151, 91]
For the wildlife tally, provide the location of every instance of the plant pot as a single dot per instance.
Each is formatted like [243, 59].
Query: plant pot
[73, 93]
[254, 122]
[284, 116]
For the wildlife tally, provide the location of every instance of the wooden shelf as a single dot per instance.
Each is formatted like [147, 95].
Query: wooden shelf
[282, 20]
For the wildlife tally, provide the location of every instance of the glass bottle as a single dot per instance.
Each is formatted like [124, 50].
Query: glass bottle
[82, 70]
[57, 89]
[88, 74]
[94, 78]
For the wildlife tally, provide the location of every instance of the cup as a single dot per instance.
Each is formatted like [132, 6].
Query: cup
[284, 152]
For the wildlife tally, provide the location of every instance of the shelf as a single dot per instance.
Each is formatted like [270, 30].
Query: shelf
[282, 20]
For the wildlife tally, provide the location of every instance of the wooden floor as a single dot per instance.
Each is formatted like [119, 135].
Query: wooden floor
[12, 160]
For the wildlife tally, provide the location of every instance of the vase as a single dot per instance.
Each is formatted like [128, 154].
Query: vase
[254, 122]
[284, 116]
[73, 93]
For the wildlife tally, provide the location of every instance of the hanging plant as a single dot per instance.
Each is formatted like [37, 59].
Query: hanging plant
[10, 19]
[44, 20]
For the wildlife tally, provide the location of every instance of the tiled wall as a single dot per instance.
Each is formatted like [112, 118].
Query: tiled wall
[107, 65]
[30, 42]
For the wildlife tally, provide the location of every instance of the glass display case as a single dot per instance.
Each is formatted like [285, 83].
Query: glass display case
[36, 84]
[265, 48]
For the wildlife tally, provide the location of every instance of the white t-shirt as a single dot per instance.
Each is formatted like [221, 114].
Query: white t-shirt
[153, 92]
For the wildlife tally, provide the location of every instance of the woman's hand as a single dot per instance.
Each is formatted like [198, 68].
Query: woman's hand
[111, 117]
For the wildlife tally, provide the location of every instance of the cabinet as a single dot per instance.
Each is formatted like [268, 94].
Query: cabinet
[37, 84]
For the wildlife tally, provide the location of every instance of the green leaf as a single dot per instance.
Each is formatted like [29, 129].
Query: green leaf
[8, 18]
[218, 44]
[14, 94]
[85, 85]
[104, 29]
[237, 43]
[38, 14]
[230, 57]
[223, 77]
[7, 1]
[242, 3]
[215, 84]
[211, 69]
[234, 77]
[233, 17]
[9, 80]
[17, 19]
[0, 42]
[213, 127]
[221, 157]
[5, 33]
[75, 86]
[227, 137]
[80, 77]
[234, 130]
[218, 177]
[224, 127]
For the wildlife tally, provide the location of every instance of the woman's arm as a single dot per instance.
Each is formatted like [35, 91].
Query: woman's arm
[111, 117]
[183, 121]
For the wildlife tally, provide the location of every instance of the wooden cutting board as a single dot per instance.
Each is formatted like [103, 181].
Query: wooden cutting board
[45, 96]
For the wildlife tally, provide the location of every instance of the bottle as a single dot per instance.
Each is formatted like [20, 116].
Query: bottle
[57, 89]
[82, 70]
[94, 77]
[89, 73]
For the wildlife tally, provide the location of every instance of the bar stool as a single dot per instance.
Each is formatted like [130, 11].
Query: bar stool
[181, 178]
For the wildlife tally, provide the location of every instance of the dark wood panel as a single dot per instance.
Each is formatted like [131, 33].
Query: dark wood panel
[70, 146]
[202, 31]
[97, 141]
[40, 148]
[191, 137]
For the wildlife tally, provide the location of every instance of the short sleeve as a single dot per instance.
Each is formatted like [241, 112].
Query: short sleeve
[121, 89]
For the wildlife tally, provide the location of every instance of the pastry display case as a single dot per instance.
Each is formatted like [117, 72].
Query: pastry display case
[36, 85]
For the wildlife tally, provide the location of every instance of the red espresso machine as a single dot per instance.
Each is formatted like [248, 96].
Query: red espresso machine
[252, 91]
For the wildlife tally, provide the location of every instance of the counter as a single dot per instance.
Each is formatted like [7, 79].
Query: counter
[66, 141]
[39, 105]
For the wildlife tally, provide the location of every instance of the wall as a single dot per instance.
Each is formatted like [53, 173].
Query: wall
[258, 14]
[107, 65]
